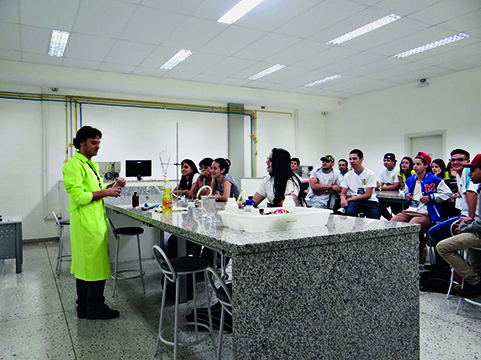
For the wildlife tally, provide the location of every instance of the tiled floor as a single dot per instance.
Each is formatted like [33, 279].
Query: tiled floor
[38, 318]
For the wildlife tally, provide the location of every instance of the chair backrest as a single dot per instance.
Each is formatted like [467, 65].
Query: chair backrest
[57, 221]
[215, 276]
[161, 257]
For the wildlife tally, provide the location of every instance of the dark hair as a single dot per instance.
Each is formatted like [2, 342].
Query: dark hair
[281, 171]
[411, 166]
[442, 165]
[84, 133]
[460, 152]
[205, 162]
[186, 182]
[428, 169]
[343, 160]
[358, 153]
[224, 164]
[298, 162]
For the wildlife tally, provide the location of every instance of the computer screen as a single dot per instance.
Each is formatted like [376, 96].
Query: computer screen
[138, 168]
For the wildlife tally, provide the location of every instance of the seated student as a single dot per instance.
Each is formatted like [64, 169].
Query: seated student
[295, 163]
[280, 182]
[358, 195]
[468, 237]
[439, 169]
[424, 193]
[324, 185]
[203, 179]
[389, 181]
[190, 174]
[342, 165]
[223, 185]
[405, 171]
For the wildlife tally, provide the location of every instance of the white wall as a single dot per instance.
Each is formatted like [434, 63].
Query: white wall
[377, 123]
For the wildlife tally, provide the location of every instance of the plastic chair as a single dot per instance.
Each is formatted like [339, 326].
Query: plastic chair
[224, 295]
[470, 301]
[126, 231]
[61, 225]
[172, 269]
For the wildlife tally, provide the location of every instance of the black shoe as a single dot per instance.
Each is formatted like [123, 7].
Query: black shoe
[102, 312]
[469, 290]
[81, 314]
[437, 268]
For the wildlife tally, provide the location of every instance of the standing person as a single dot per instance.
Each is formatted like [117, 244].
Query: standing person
[324, 184]
[190, 175]
[280, 182]
[223, 186]
[468, 236]
[204, 178]
[358, 195]
[424, 193]
[389, 181]
[405, 171]
[342, 165]
[88, 225]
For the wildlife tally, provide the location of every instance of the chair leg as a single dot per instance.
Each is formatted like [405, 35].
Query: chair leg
[176, 316]
[195, 306]
[140, 264]
[161, 321]
[60, 251]
[211, 326]
[117, 249]
[221, 330]
[451, 282]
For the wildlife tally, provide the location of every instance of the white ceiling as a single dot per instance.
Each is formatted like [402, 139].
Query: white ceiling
[138, 36]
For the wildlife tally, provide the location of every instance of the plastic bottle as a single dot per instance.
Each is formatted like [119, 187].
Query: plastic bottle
[167, 198]
[249, 205]
[289, 204]
[135, 200]
[231, 206]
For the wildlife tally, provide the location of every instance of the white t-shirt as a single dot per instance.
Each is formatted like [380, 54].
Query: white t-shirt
[416, 204]
[388, 177]
[266, 189]
[331, 178]
[465, 184]
[358, 184]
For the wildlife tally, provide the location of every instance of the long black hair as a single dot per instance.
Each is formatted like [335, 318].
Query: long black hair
[186, 182]
[442, 166]
[282, 172]
[411, 166]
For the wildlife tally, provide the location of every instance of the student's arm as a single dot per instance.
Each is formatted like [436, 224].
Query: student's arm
[344, 201]
[471, 200]
[223, 198]
[195, 187]
[443, 193]
[258, 198]
[392, 187]
[318, 189]
[365, 196]
[112, 191]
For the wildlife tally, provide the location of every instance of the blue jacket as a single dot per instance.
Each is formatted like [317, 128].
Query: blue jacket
[437, 191]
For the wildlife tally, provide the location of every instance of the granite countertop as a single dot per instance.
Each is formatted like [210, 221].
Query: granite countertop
[209, 231]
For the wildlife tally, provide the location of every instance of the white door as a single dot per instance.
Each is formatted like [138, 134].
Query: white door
[433, 145]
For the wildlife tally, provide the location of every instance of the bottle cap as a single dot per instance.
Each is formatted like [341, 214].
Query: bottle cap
[249, 201]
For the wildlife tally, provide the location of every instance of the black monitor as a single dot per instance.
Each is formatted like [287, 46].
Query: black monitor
[138, 168]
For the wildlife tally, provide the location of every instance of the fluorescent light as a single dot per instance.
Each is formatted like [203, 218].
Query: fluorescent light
[365, 29]
[238, 11]
[433, 45]
[58, 42]
[325, 80]
[176, 59]
[265, 72]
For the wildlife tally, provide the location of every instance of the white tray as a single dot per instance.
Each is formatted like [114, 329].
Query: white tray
[302, 218]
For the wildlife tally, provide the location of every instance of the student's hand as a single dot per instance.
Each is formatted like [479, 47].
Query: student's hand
[409, 197]
[344, 203]
[456, 227]
[336, 188]
[241, 204]
[455, 196]
[424, 199]
[466, 220]
[113, 191]
[378, 185]
[120, 182]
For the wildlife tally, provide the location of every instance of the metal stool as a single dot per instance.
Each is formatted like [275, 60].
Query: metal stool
[172, 269]
[224, 295]
[470, 301]
[61, 224]
[126, 231]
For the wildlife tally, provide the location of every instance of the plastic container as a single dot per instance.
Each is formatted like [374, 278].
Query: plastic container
[231, 206]
[289, 204]
[249, 205]
[167, 198]
[135, 200]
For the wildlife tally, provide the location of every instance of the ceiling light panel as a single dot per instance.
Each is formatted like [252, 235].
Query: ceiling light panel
[433, 45]
[176, 59]
[266, 72]
[365, 29]
[238, 11]
[322, 81]
[58, 42]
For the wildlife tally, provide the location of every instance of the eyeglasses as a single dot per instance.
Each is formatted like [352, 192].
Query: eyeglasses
[457, 159]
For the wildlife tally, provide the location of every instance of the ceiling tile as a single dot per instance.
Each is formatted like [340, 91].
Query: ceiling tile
[320, 17]
[88, 47]
[207, 79]
[213, 9]
[445, 10]
[179, 75]
[252, 70]
[9, 11]
[41, 59]
[298, 52]
[151, 26]
[131, 1]
[376, 66]
[92, 17]
[9, 36]
[229, 67]
[404, 7]
[147, 71]
[193, 33]
[306, 78]
[35, 39]
[266, 46]
[475, 32]
[367, 2]
[52, 14]
[286, 74]
[327, 57]
[233, 82]
[199, 62]
[181, 7]
[233, 39]
[415, 76]
[465, 63]
[10, 55]
[463, 23]
[127, 69]
[281, 87]
[84, 64]
[352, 62]
[159, 56]
[349, 83]
[450, 56]
[396, 71]
[128, 53]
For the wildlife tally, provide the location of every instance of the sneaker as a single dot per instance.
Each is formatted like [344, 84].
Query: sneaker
[103, 312]
[469, 290]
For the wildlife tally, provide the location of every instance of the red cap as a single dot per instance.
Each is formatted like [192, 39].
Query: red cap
[424, 156]
[476, 162]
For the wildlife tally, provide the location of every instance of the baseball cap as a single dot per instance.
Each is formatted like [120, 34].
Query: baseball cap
[390, 156]
[424, 156]
[327, 158]
[476, 162]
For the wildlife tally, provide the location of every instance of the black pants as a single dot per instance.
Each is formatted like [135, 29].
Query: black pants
[90, 295]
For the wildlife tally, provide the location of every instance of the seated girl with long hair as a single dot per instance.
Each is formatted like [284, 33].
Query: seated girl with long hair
[189, 176]
[405, 171]
[224, 186]
[204, 178]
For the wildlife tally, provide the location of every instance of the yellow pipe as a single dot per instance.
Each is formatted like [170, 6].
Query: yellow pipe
[66, 132]
[76, 118]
